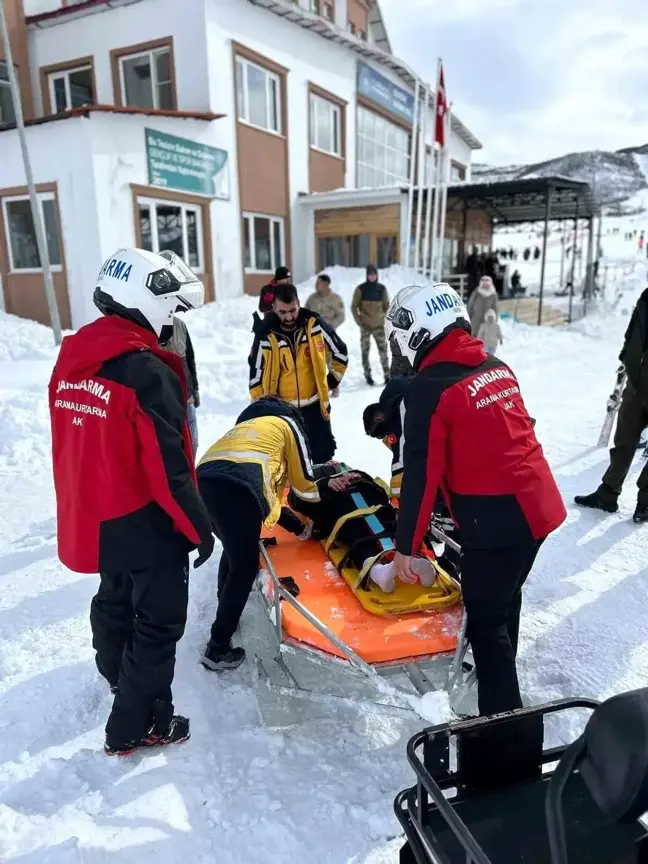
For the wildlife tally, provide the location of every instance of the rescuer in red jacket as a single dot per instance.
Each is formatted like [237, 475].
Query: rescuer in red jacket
[127, 502]
[468, 433]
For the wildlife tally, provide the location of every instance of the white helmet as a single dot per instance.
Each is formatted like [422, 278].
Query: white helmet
[419, 315]
[147, 288]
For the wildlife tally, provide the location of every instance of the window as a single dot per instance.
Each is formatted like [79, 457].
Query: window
[362, 35]
[177, 227]
[21, 235]
[71, 88]
[146, 81]
[350, 251]
[7, 113]
[257, 96]
[387, 252]
[383, 151]
[325, 125]
[263, 240]
[315, 6]
[457, 173]
[328, 11]
[352, 28]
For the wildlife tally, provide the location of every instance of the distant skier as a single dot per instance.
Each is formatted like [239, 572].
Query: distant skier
[468, 433]
[631, 422]
[127, 502]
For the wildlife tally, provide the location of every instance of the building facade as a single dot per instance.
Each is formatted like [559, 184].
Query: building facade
[222, 133]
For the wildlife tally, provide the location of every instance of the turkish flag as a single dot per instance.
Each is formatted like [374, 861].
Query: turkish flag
[442, 110]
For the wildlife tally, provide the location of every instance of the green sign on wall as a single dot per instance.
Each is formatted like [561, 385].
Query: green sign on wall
[178, 163]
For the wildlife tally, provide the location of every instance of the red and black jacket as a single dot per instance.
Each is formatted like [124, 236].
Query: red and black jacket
[123, 468]
[468, 433]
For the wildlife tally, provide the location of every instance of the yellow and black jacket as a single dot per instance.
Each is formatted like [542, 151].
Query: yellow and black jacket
[264, 454]
[294, 365]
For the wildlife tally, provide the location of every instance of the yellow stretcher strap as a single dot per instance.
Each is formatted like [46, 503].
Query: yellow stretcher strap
[341, 522]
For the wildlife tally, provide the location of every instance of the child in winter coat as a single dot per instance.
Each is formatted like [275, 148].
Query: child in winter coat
[483, 298]
[490, 332]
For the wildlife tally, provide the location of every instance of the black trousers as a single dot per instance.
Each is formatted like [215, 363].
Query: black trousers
[632, 420]
[491, 582]
[236, 519]
[320, 436]
[137, 618]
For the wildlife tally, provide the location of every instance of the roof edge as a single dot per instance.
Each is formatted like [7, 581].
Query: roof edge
[88, 110]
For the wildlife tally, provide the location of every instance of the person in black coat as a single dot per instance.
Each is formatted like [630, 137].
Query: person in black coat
[631, 422]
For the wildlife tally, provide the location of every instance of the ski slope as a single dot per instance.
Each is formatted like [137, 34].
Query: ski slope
[238, 793]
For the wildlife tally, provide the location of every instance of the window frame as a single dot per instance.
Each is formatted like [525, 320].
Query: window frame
[150, 53]
[152, 202]
[129, 52]
[244, 63]
[42, 196]
[275, 261]
[398, 154]
[7, 84]
[460, 168]
[334, 109]
[65, 73]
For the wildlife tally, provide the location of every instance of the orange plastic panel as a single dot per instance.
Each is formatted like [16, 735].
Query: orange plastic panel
[375, 638]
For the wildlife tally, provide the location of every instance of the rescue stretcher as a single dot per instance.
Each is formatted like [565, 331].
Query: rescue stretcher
[339, 641]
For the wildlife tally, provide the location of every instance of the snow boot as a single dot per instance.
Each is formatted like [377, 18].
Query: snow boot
[640, 514]
[597, 501]
[369, 379]
[218, 659]
[177, 732]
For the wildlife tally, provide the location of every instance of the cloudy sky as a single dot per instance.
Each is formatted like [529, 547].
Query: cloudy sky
[533, 79]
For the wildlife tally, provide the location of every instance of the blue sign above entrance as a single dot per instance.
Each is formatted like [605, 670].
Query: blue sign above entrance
[380, 90]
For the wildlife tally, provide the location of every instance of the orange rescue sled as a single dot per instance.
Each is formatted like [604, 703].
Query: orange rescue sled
[327, 626]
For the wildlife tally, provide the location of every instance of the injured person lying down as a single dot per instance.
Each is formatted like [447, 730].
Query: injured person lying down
[355, 511]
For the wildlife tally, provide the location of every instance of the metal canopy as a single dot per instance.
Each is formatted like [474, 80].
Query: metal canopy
[510, 202]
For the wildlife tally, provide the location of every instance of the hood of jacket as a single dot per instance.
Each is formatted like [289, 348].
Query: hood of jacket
[486, 289]
[457, 347]
[372, 270]
[84, 353]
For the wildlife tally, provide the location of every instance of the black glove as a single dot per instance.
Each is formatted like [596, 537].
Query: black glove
[204, 551]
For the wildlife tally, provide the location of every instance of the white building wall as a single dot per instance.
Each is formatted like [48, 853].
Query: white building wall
[106, 29]
[308, 57]
[71, 169]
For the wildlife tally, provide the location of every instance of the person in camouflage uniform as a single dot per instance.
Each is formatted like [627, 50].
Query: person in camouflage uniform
[326, 302]
[369, 307]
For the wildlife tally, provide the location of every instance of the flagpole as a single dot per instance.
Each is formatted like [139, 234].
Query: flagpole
[446, 183]
[412, 172]
[421, 175]
[427, 263]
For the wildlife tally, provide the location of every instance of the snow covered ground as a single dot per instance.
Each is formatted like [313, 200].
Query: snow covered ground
[238, 793]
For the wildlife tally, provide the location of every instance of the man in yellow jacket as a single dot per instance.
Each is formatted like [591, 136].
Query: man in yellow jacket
[241, 479]
[290, 358]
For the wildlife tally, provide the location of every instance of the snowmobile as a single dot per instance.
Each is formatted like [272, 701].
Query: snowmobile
[338, 641]
[489, 792]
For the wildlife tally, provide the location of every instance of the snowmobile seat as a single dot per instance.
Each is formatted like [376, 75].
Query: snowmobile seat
[528, 812]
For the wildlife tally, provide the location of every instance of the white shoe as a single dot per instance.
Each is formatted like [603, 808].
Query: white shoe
[425, 570]
[383, 576]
